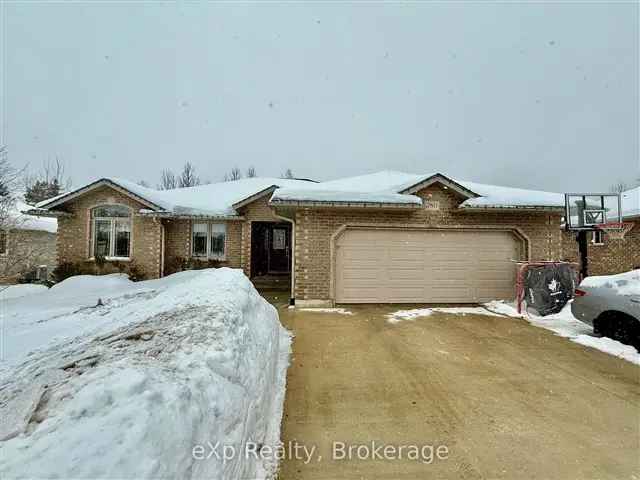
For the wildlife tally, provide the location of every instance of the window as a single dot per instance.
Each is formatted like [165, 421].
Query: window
[111, 231]
[209, 240]
[597, 237]
[279, 238]
[3, 243]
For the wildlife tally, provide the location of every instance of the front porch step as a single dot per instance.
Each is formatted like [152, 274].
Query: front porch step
[272, 282]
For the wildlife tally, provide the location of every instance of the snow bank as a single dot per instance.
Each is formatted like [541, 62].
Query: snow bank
[127, 388]
[22, 290]
[566, 325]
[627, 283]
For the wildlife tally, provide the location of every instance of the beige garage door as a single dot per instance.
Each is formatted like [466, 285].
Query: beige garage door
[432, 266]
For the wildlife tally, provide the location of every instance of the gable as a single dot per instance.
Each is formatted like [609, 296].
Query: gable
[99, 186]
[442, 180]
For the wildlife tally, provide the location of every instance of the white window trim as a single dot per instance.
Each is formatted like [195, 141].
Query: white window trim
[209, 256]
[593, 237]
[112, 243]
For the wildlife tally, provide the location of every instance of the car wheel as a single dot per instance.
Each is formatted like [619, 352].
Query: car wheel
[620, 327]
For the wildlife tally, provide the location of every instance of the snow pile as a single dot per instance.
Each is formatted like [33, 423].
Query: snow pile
[627, 283]
[128, 386]
[566, 325]
[339, 311]
[22, 290]
[401, 315]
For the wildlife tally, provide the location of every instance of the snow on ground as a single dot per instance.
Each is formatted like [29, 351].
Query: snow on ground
[127, 386]
[8, 292]
[566, 325]
[402, 315]
[341, 311]
[627, 283]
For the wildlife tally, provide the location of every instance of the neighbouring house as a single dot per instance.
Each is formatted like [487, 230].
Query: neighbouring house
[27, 245]
[607, 255]
[383, 237]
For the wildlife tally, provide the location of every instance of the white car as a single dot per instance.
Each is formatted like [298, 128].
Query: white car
[611, 304]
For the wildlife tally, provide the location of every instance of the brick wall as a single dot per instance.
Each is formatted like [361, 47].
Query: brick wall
[74, 237]
[614, 256]
[315, 227]
[257, 211]
[178, 243]
[27, 249]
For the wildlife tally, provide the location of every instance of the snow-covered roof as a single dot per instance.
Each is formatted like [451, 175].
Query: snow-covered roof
[320, 195]
[381, 188]
[23, 221]
[631, 203]
[215, 199]
[388, 185]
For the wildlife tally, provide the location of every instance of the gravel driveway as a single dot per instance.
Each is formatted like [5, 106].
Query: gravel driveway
[506, 399]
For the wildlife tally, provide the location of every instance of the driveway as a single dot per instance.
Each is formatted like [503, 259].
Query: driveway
[508, 400]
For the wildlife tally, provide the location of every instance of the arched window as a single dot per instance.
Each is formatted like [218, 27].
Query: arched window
[111, 226]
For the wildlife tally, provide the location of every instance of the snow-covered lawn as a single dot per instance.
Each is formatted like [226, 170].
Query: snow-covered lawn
[8, 292]
[105, 378]
[566, 325]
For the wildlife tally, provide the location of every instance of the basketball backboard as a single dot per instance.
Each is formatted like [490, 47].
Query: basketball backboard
[585, 211]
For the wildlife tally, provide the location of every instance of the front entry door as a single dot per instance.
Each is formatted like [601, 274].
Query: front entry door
[279, 248]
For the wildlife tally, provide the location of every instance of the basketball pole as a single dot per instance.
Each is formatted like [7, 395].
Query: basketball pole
[583, 244]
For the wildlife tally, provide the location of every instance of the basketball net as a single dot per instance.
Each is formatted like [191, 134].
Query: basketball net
[616, 230]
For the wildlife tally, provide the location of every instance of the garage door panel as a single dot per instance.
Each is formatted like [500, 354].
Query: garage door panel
[396, 266]
[397, 274]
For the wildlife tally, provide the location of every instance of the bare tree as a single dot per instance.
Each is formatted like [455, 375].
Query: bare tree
[49, 182]
[188, 177]
[21, 253]
[8, 183]
[618, 187]
[168, 180]
[142, 183]
[287, 174]
[234, 174]
[251, 172]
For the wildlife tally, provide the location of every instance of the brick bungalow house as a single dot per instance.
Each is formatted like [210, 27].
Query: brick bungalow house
[27, 245]
[384, 237]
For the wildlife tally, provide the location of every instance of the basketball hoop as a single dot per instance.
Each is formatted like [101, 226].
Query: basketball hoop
[616, 230]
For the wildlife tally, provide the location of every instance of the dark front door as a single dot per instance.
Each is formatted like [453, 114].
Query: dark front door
[279, 248]
[270, 248]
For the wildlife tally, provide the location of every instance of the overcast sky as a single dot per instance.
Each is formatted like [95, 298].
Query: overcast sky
[532, 95]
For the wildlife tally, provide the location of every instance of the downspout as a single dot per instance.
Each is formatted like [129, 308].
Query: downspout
[162, 243]
[292, 298]
[161, 225]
